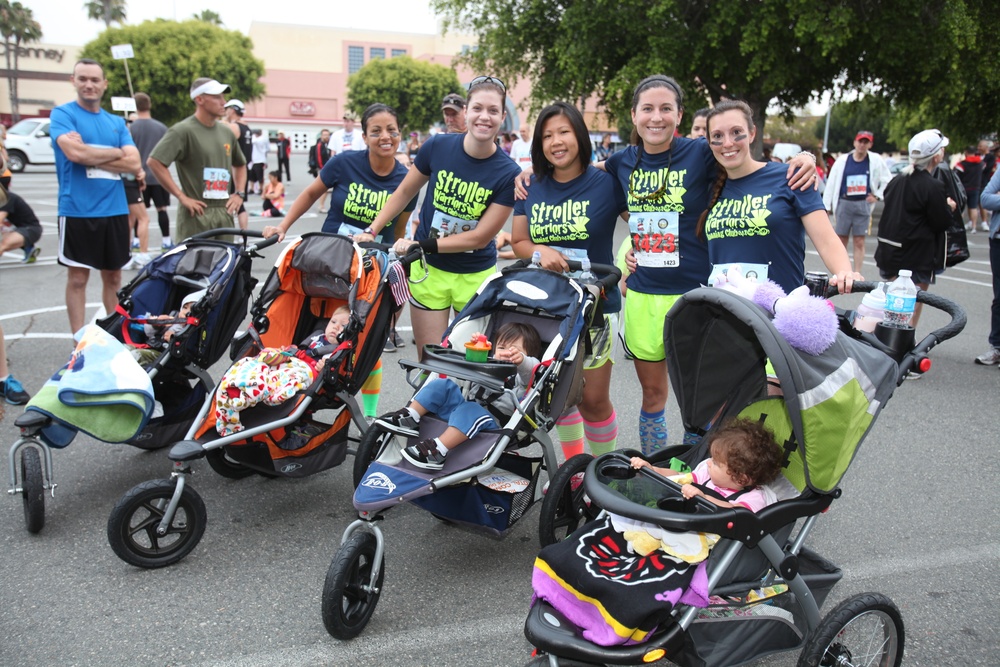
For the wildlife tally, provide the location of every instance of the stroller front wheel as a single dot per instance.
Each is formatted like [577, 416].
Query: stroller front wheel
[32, 490]
[133, 525]
[565, 506]
[372, 444]
[349, 594]
[866, 629]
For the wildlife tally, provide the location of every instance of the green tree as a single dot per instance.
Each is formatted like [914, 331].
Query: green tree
[17, 27]
[413, 88]
[109, 11]
[170, 55]
[766, 52]
[871, 113]
[208, 16]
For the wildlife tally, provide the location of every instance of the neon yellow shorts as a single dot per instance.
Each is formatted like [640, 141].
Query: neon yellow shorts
[642, 334]
[442, 290]
[602, 339]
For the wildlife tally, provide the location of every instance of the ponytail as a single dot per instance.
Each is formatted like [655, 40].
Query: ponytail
[721, 176]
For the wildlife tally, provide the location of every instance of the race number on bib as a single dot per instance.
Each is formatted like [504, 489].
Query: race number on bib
[655, 239]
[857, 185]
[97, 172]
[755, 272]
[443, 225]
[216, 183]
[349, 230]
[574, 254]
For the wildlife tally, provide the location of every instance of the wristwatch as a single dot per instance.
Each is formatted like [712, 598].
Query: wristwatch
[369, 231]
[241, 195]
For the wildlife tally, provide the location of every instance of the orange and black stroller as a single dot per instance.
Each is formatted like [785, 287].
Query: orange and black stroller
[159, 522]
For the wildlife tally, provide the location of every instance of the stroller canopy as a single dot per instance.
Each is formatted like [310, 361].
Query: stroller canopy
[717, 347]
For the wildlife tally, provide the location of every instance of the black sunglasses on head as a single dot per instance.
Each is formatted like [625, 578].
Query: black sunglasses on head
[487, 79]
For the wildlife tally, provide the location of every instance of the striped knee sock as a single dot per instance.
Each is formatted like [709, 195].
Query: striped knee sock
[371, 390]
[602, 436]
[569, 428]
[652, 431]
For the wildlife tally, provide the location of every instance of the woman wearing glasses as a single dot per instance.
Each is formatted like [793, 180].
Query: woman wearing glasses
[570, 213]
[470, 196]
[755, 219]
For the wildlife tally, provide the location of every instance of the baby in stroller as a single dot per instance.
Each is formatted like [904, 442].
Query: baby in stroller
[160, 329]
[516, 342]
[274, 374]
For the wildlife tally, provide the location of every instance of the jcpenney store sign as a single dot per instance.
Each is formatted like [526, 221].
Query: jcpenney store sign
[34, 52]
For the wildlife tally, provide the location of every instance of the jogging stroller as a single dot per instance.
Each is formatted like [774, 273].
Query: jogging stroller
[487, 483]
[764, 588]
[159, 522]
[177, 372]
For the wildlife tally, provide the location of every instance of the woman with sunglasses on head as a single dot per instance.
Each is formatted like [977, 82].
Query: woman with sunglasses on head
[755, 219]
[666, 180]
[360, 183]
[570, 213]
[469, 197]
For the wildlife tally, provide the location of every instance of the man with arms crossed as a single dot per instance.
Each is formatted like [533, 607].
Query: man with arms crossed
[92, 149]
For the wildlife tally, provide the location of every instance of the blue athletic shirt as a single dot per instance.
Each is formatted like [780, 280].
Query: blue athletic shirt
[359, 193]
[671, 258]
[576, 216]
[89, 192]
[856, 183]
[460, 190]
[758, 221]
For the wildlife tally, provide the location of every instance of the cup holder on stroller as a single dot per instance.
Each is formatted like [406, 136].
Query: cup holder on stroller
[677, 504]
[617, 470]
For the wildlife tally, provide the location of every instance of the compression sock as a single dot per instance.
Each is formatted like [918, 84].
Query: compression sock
[652, 431]
[370, 391]
[164, 221]
[602, 436]
[569, 428]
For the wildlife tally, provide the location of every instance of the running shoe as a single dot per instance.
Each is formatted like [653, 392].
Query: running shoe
[389, 346]
[31, 253]
[400, 422]
[135, 244]
[13, 392]
[425, 455]
[991, 358]
[396, 339]
[165, 246]
[140, 259]
[984, 226]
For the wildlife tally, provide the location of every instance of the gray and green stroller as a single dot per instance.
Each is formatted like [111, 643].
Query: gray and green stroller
[601, 599]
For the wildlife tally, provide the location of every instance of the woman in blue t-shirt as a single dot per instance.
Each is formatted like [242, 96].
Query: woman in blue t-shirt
[360, 182]
[470, 194]
[570, 213]
[755, 219]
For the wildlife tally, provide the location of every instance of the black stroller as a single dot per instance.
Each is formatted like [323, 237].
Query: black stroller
[159, 522]
[487, 482]
[177, 371]
[764, 588]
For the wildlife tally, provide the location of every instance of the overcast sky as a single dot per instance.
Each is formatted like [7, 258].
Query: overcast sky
[66, 22]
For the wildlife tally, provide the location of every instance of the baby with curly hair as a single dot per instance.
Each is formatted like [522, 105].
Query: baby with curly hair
[744, 455]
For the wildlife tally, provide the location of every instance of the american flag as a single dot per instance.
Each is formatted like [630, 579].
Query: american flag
[398, 283]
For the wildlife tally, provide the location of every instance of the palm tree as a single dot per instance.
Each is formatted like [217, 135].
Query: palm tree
[208, 16]
[109, 11]
[17, 26]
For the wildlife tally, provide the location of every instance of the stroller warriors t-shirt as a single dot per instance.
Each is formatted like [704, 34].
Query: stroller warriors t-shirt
[359, 193]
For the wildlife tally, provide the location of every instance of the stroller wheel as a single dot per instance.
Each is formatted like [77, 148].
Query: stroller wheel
[132, 525]
[544, 661]
[565, 506]
[373, 443]
[866, 629]
[349, 594]
[32, 490]
[218, 462]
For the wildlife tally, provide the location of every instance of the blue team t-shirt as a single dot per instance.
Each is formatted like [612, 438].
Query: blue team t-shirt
[671, 259]
[757, 223]
[577, 218]
[856, 183]
[460, 190]
[358, 194]
[89, 192]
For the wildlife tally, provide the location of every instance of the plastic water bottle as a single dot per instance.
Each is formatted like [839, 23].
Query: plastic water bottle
[587, 276]
[536, 259]
[900, 300]
[871, 310]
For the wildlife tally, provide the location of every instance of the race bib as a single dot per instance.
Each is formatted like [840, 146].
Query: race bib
[655, 238]
[575, 254]
[349, 230]
[755, 272]
[857, 185]
[443, 225]
[97, 172]
[216, 183]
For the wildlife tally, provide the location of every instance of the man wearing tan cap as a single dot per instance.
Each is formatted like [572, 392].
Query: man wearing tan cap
[207, 157]
[348, 138]
[453, 110]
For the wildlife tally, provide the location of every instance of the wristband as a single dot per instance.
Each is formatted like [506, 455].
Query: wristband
[428, 245]
[368, 230]
[811, 155]
[241, 195]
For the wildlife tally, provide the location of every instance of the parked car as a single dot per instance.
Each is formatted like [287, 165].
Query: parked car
[28, 142]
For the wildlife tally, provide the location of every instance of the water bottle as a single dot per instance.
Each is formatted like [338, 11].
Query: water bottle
[536, 259]
[587, 277]
[900, 300]
[871, 310]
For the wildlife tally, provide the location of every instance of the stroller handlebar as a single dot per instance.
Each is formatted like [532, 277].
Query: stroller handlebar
[245, 233]
[608, 275]
[407, 259]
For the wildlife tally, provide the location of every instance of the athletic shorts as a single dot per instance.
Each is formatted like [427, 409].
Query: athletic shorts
[642, 334]
[973, 197]
[133, 195]
[156, 194]
[918, 277]
[603, 339]
[853, 218]
[443, 289]
[101, 244]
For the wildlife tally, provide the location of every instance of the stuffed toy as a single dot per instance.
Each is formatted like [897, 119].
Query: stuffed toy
[272, 377]
[807, 322]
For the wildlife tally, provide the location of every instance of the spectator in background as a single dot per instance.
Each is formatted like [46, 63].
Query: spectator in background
[605, 150]
[348, 138]
[413, 146]
[520, 150]
[19, 228]
[453, 110]
[146, 133]
[699, 123]
[991, 200]
[319, 155]
[970, 170]
[506, 142]
[284, 150]
[989, 166]
[244, 138]
[261, 147]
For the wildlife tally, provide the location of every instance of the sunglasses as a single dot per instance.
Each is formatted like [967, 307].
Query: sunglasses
[487, 79]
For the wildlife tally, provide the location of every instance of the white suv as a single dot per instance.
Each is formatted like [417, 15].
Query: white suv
[28, 142]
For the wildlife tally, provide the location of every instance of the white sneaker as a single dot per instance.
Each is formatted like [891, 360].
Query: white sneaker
[984, 226]
[140, 259]
[129, 265]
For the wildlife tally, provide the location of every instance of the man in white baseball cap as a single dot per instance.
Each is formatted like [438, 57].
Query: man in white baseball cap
[208, 162]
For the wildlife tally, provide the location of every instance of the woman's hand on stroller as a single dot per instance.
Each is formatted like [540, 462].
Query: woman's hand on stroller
[552, 259]
[272, 230]
[844, 281]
